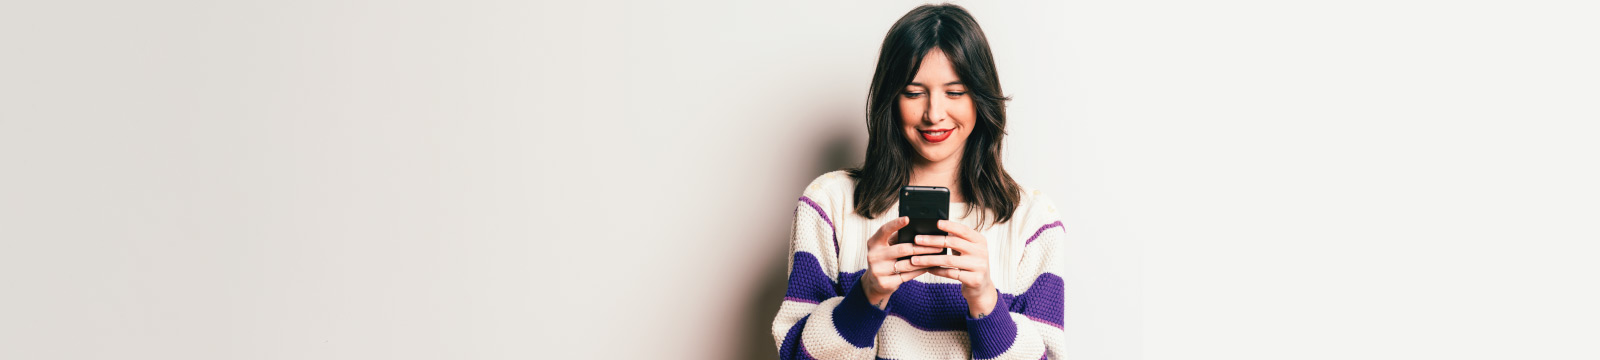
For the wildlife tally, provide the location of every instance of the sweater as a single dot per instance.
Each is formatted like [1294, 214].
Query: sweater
[826, 315]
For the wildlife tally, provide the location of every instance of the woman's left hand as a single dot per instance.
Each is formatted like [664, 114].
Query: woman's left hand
[970, 267]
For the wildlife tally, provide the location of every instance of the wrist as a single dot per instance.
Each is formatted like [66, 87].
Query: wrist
[983, 303]
[876, 299]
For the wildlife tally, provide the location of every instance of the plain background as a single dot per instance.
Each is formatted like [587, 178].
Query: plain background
[510, 179]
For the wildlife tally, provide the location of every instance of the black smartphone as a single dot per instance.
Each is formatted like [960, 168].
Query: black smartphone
[925, 205]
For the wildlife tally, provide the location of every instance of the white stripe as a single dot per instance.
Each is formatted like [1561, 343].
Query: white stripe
[898, 339]
[812, 235]
[1036, 256]
[789, 314]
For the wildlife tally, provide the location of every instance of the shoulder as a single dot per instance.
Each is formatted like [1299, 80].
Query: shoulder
[830, 190]
[1036, 210]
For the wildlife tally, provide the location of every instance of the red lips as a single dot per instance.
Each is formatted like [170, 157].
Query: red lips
[936, 135]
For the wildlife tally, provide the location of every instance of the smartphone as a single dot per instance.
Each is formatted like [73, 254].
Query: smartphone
[925, 205]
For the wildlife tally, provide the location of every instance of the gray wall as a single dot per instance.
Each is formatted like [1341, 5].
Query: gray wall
[497, 180]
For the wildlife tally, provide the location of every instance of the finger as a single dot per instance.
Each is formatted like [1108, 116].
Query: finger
[952, 274]
[962, 231]
[902, 250]
[890, 266]
[961, 245]
[906, 266]
[967, 263]
[907, 276]
[883, 268]
[903, 266]
[887, 231]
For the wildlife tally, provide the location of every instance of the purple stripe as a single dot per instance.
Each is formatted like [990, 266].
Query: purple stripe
[940, 307]
[931, 307]
[808, 282]
[1044, 300]
[1035, 234]
[825, 218]
[856, 320]
[928, 307]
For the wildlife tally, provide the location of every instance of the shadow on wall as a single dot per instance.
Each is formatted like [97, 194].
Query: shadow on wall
[762, 306]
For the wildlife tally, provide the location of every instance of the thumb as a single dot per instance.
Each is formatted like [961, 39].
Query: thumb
[888, 230]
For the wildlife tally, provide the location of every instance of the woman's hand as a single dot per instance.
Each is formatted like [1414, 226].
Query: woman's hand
[884, 273]
[971, 267]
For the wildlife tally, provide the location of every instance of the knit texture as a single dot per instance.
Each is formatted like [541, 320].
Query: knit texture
[825, 313]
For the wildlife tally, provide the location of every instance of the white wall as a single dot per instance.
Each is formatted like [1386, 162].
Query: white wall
[450, 179]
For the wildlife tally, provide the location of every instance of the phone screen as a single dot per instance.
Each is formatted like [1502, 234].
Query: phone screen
[925, 205]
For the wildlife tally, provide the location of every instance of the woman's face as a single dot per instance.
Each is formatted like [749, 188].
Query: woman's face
[935, 111]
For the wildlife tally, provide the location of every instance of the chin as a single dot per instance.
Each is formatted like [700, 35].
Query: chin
[934, 157]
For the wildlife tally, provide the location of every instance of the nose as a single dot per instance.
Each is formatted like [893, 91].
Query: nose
[936, 110]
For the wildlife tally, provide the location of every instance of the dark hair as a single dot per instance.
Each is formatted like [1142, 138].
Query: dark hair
[982, 179]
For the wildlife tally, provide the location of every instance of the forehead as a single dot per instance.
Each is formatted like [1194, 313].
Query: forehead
[935, 69]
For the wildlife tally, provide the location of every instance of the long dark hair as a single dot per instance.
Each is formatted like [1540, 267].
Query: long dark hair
[983, 180]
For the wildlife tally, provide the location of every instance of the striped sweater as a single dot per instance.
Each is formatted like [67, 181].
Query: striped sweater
[825, 313]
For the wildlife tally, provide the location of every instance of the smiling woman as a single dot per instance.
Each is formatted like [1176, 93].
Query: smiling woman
[936, 80]
[935, 117]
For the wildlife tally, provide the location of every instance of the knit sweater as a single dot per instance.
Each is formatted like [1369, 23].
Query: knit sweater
[826, 315]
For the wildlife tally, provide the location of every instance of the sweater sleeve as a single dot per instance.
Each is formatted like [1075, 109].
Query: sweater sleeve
[825, 314]
[1031, 326]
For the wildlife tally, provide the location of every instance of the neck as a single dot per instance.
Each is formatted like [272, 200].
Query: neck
[945, 173]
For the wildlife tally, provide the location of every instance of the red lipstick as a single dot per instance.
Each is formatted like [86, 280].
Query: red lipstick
[936, 135]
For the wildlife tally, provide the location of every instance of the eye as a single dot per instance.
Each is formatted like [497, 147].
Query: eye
[911, 94]
[955, 93]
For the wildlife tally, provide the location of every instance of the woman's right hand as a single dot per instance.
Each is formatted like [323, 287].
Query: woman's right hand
[884, 273]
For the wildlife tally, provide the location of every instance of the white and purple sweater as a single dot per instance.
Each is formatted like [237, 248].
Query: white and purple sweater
[825, 314]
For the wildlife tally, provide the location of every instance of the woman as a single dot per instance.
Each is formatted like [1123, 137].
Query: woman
[935, 117]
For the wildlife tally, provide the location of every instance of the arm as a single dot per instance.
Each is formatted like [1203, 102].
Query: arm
[1030, 325]
[1000, 326]
[825, 314]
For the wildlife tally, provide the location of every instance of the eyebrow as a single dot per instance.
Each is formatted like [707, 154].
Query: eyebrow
[957, 82]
